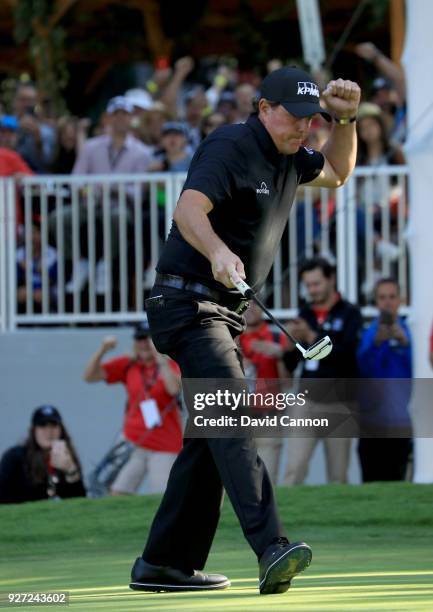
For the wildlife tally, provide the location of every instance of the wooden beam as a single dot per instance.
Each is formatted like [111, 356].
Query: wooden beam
[97, 76]
[159, 45]
[62, 7]
[397, 28]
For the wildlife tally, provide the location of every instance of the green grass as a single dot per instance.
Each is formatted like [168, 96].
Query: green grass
[372, 550]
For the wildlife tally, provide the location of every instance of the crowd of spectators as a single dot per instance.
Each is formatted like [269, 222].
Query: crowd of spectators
[378, 356]
[158, 127]
[365, 381]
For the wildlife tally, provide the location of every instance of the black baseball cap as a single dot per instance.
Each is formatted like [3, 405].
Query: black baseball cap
[228, 97]
[141, 330]
[295, 90]
[381, 83]
[46, 414]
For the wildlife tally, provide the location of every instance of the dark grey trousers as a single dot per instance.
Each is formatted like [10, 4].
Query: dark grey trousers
[199, 335]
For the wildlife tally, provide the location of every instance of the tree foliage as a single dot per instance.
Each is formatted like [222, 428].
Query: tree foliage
[35, 25]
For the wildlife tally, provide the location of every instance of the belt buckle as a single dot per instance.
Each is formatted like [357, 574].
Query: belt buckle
[242, 307]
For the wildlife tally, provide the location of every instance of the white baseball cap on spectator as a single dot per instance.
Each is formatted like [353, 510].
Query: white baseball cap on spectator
[139, 98]
[119, 103]
[369, 109]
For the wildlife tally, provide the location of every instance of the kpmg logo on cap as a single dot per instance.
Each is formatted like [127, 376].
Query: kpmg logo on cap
[263, 189]
[305, 87]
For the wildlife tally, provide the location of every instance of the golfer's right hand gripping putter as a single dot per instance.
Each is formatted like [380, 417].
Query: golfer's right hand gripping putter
[316, 351]
[243, 288]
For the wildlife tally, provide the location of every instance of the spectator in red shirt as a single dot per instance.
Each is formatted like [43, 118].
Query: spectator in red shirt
[13, 165]
[263, 347]
[263, 351]
[152, 420]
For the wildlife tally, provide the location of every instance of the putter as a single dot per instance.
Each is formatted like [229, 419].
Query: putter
[316, 351]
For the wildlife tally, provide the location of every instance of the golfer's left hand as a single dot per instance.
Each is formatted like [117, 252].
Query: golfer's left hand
[342, 98]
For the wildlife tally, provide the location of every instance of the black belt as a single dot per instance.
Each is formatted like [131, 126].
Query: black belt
[179, 282]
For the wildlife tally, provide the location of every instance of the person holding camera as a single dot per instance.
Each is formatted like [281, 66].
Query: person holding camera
[36, 142]
[46, 466]
[385, 355]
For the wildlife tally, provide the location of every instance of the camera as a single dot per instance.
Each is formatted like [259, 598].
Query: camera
[386, 317]
[30, 110]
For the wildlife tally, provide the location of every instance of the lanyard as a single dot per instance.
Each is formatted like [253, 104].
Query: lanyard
[149, 383]
[114, 155]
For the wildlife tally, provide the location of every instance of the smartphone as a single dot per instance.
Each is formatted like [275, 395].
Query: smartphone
[30, 110]
[386, 317]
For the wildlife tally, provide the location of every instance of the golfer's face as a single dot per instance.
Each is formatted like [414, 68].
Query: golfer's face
[287, 131]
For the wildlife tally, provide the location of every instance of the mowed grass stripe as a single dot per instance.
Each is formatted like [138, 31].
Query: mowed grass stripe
[288, 602]
[236, 582]
[368, 553]
[406, 588]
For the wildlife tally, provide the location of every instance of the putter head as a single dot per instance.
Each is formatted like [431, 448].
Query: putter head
[319, 349]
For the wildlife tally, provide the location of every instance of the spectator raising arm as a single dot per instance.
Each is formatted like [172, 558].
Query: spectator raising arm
[170, 377]
[94, 371]
[168, 96]
[385, 66]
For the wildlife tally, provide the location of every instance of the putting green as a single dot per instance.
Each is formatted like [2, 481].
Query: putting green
[372, 550]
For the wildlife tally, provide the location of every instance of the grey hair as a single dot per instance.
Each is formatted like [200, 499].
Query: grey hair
[256, 101]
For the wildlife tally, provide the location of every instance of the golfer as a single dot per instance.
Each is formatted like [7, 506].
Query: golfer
[228, 224]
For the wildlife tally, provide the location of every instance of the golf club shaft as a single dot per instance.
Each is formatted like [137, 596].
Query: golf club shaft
[259, 303]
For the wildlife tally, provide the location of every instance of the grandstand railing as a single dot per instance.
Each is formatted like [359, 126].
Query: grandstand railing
[121, 220]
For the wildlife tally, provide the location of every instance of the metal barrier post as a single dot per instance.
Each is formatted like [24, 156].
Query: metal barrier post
[362, 211]
[352, 242]
[3, 251]
[11, 254]
[341, 241]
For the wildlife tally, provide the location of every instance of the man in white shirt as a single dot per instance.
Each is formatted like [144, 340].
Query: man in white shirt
[117, 152]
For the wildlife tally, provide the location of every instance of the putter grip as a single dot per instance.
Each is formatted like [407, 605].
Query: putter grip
[243, 287]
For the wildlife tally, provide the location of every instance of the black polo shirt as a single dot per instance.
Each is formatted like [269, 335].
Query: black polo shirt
[252, 188]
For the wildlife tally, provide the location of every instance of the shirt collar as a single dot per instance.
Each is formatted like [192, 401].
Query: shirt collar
[264, 138]
[129, 141]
